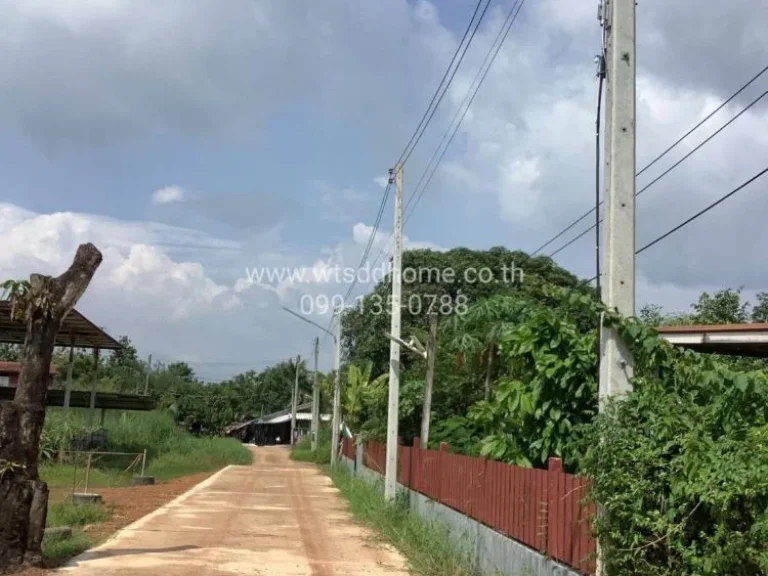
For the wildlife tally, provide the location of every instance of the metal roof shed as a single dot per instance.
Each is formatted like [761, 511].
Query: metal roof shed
[728, 339]
[76, 332]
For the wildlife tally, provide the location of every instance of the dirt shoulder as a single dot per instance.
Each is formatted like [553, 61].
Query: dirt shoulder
[129, 504]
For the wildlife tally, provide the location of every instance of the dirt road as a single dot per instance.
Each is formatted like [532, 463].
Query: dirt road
[273, 518]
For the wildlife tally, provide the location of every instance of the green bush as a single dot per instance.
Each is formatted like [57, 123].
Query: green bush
[680, 467]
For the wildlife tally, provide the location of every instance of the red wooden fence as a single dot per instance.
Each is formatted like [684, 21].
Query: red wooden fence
[543, 509]
[348, 448]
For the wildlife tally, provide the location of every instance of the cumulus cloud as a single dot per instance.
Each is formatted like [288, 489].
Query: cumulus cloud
[136, 271]
[168, 195]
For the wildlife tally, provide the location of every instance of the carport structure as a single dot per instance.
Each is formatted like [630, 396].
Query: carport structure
[76, 332]
[727, 339]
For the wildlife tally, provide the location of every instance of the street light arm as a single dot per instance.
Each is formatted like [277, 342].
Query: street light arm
[308, 321]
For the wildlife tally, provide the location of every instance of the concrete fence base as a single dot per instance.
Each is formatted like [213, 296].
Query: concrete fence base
[490, 552]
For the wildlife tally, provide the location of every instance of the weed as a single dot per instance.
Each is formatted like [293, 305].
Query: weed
[428, 546]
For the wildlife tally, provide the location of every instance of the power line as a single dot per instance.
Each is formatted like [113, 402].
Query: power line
[658, 157]
[703, 211]
[461, 113]
[699, 213]
[427, 117]
[662, 175]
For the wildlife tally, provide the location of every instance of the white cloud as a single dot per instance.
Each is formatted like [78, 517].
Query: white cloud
[169, 194]
[381, 181]
[136, 271]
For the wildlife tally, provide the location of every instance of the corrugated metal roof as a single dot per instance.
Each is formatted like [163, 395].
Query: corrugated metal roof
[303, 416]
[76, 329]
[15, 368]
[728, 339]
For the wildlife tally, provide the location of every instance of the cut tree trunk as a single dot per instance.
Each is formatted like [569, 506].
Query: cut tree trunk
[23, 496]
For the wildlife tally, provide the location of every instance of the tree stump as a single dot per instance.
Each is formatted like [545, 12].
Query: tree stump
[23, 496]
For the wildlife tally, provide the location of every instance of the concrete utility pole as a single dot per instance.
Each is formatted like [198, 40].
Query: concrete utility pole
[336, 423]
[315, 399]
[146, 377]
[295, 402]
[426, 415]
[427, 354]
[390, 476]
[618, 286]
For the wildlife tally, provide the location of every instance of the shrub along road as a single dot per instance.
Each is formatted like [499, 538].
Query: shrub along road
[276, 517]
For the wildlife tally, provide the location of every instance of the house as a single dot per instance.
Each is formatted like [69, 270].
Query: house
[275, 428]
[9, 374]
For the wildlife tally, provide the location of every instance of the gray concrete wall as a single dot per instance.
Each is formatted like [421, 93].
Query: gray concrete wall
[491, 553]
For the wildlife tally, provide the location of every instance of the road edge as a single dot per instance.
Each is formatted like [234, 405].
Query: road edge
[136, 525]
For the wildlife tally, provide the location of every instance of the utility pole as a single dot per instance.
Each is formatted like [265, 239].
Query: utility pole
[70, 368]
[295, 402]
[426, 415]
[618, 286]
[336, 422]
[429, 353]
[315, 400]
[390, 477]
[146, 377]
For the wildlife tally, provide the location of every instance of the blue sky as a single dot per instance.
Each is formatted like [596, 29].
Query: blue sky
[272, 120]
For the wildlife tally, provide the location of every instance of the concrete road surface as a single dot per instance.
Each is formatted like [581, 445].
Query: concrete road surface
[273, 518]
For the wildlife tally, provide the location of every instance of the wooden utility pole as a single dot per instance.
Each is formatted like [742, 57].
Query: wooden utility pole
[94, 386]
[426, 415]
[618, 286]
[315, 399]
[146, 376]
[70, 369]
[295, 402]
[390, 475]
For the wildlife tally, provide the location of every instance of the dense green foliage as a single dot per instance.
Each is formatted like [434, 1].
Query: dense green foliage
[680, 466]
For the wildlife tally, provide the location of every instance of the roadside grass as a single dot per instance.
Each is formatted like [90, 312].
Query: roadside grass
[76, 517]
[171, 451]
[427, 546]
[302, 452]
[68, 514]
[61, 548]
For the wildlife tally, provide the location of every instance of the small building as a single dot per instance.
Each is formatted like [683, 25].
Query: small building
[728, 339]
[275, 428]
[10, 371]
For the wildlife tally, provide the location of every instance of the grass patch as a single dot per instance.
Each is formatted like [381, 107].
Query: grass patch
[76, 517]
[302, 452]
[171, 451]
[60, 548]
[427, 545]
[68, 514]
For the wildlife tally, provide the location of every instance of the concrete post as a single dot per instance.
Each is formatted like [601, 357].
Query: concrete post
[618, 286]
[390, 476]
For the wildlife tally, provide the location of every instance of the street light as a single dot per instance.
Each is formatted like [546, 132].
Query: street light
[335, 424]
